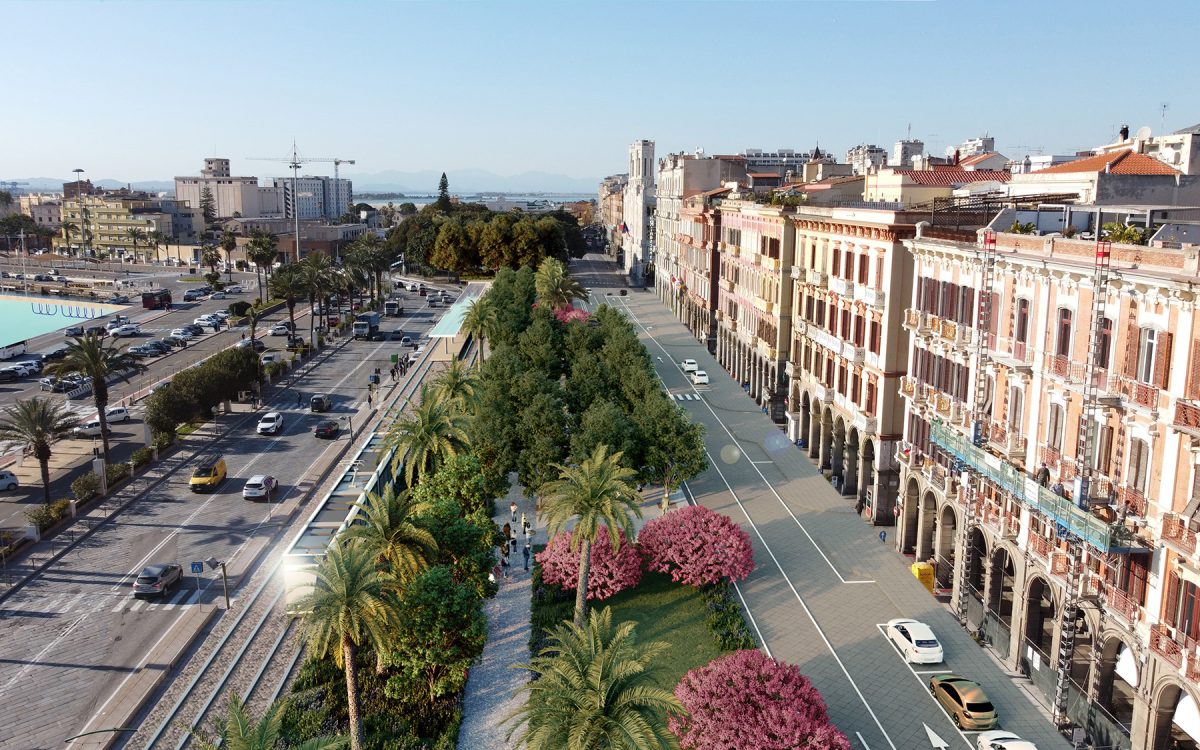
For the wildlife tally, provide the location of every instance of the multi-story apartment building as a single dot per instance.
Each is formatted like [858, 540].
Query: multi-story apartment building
[753, 310]
[681, 176]
[232, 196]
[1010, 404]
[45, 210]
[904, 151]
[611, 197]
[865, 157]
[315, 197]
[637, 221]
[102, 223]
[698, 288]
[849, 285]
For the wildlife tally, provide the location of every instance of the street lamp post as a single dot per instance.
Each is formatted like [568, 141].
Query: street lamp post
[213, 563]
[350, 422]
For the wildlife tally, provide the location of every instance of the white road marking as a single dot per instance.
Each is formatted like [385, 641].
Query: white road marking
[804, 605]
[725, 427]
[862, 741]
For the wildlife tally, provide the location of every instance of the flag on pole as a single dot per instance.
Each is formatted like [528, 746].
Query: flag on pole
[624, 228]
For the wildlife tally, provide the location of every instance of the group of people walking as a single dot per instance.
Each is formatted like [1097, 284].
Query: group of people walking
[510, 543]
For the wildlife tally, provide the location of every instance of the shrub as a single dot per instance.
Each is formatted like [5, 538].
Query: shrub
[45, 516]
[141, 457]
[238, 309]
[748, 701]
[697, 546]
[85, 487]
[116, 472]
[724, 618]
[609, 573]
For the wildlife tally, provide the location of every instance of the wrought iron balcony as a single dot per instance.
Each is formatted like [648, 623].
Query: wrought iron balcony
[1187, 416]
[1137, 392]
[1175, 532]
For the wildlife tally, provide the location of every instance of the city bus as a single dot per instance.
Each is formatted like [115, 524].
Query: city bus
[156, 299]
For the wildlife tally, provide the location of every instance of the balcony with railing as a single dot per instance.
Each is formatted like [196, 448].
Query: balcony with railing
[916, 321]
[838, 285]
[1137, 392]
[1049, 456]
[1123, 606]
[954, 333]
[1163, 643]
[1175, 532]
[1040, 546]
[814, 277]
[1132, 499]
[854, 354]
[870, 296]
[1187, 416]
[1009, 442]
[908, 387]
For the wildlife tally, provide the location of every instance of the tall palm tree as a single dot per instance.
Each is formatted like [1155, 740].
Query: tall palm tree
[96, 360]
[357, 275]
[317, 272]
[210, 256]
[262, 252]
[555, 287]
[157, 239]
[434, 433]
[286, 284]
[229, 244]
[350, 606]
[480, 322]
[387, 527]
[136, 235]
[457, 385]
[35, 423]
[238, 730]
[68, 228]
[596, 492]
[254, 315]
[595, 687]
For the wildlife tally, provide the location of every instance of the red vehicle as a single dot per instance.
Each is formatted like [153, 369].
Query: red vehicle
[156, 299]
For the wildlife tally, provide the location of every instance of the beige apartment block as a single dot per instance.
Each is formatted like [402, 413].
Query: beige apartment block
[695, 290]
[102, 223]
[849, 284]
[1135, 665]
[754, 315]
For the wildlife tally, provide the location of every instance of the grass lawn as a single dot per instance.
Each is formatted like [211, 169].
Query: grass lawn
[669, 612]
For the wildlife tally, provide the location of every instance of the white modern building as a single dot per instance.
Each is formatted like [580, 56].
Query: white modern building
[864, 157]
[637, 226]
[232, 196]
[317, 197]
[904, 151]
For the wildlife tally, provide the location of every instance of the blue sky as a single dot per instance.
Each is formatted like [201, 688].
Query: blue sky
[146, 90]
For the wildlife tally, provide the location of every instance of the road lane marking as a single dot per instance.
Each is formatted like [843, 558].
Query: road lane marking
[761, 476]
[862, 741]
[803, 604]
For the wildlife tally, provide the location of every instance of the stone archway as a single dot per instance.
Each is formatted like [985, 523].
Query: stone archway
[1115, 693]
[943, 547]
[1040, 617]
[815, 432]
[912, 507]
[837, 457]
[866, 481]
[850, 470]
[927, 526]
[805, 418]
[1001, 582]
[1165, 734]
[1081, 655]
[826, 439]
[979, 563]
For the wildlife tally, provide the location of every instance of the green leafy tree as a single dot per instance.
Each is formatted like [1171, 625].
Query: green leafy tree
[525, 249]
[440, 631]
[387, 525]
[136, 235]
[97, 360]
[166, 409]
[672, 445]
[449, 249]
[34, 424]
[414, 239]
[68, 228]
[543, 437]
[239, 730]
[349, 607]
[208, 205]
[318, 274]
[595, 686]
[1124, 234]
[460, 479]
[158, 239]
[443, 200]
[435, 433]
[210, 255]
[1022, 228]
[288, 284]
[604, 423]
[494, 240]
[594, 493]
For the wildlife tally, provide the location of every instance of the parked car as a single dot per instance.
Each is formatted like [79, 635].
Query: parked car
[270, 424]
[233, 289]
[192, 295]
[689, 365]
[183, 333]
[1001, 739]
[407, 341]
[270, 357]
[280, 329]
[327, 428]
[259, 485]
[97, 331]
[699, 377]
[296, 344]
[320, 403]
[142, 352]
[222, 314]
[23, 369]
[161, 347]
[916, 641]
[964, 700]
[217, 295]
[159, 386]
[7, 376]
[116, 414]
[206, 320]
[73, 331]
[129, 329]
[8, 481]
[195, 329]
[255, 344]
[119, 299]
[157, 580]
[208, 475]
[173, 341]
[90, 428]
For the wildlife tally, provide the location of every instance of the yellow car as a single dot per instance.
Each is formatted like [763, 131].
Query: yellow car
[208, 475]
[964, 700]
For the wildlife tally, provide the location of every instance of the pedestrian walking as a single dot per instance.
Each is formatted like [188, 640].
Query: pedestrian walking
[524, 522]
[504, 563]
[512, 509]
[495, 574]
[526, 553]
[370, 400]
[299, 399]
[507, 532]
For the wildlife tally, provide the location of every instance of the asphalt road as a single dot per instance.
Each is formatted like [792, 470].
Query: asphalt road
[74, 633]
[823, 584]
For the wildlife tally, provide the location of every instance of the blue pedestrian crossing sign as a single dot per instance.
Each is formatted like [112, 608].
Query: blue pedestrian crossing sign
[197, 568]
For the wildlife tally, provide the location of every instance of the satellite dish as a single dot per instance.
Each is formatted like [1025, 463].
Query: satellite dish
[1143, 133]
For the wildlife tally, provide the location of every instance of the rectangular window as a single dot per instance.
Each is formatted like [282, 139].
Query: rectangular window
[837, 264]
[856, 388]
[875, 336]
[864, 269]
[1145, 355]
[871, 388]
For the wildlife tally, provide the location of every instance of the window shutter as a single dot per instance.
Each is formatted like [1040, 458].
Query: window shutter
[1162, 360]
[1133, 341]
[1193, 381]
[1172, 598]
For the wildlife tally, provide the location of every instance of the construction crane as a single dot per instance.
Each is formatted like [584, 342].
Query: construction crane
[294, 163]
[11, 187]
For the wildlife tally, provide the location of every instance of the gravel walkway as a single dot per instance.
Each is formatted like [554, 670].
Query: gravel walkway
[493, 689]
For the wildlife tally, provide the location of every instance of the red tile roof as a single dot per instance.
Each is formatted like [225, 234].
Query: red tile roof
[1116, 162]
[976, 159]
[951, 176]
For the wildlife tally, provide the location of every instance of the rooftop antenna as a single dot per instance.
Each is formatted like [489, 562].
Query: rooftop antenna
[909, 136]
[1164, 107]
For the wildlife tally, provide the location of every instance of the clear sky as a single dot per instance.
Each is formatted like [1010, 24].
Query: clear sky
[145, 90]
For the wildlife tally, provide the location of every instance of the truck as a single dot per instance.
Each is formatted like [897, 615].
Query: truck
[393, 309]
[366, 326]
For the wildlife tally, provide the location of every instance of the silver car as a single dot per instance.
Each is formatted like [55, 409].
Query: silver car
[157, 580]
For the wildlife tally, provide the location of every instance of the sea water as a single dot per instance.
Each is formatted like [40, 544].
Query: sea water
[23, 318]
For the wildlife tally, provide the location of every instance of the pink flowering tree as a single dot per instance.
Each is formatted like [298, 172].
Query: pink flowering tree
[697, 546]
[571, 314]
[748, 701]
[610, 573]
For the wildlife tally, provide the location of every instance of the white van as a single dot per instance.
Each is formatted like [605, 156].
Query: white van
[12, 350]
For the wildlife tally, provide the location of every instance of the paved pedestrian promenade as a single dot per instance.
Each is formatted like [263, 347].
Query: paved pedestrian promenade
[493, 689]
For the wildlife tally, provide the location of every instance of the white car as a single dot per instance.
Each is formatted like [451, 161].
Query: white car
[280, 329]
[206, 320]
[689, 365]
[999, 739]
[22, 369]
[233, 289]
[699, 377]
[217, 295]
[90, 428]
[183, 333]
[8, 481]
[222, 314]
[270, 424]
[116, 414]
[129, 329]
[917, 643]
[259, 485]
[270, 357]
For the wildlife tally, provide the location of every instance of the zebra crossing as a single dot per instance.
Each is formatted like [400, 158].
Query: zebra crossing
[110, 602]
[686, 396]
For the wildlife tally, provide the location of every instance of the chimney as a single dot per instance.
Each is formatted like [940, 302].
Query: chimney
[1124, 133]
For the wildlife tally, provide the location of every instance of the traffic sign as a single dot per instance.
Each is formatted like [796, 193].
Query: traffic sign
[197, 568]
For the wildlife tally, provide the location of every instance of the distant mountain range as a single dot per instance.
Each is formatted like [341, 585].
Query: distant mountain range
[465, 181]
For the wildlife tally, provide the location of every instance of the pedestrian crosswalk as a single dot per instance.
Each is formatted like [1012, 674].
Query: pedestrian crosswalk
[76, 603]
[687, 396]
